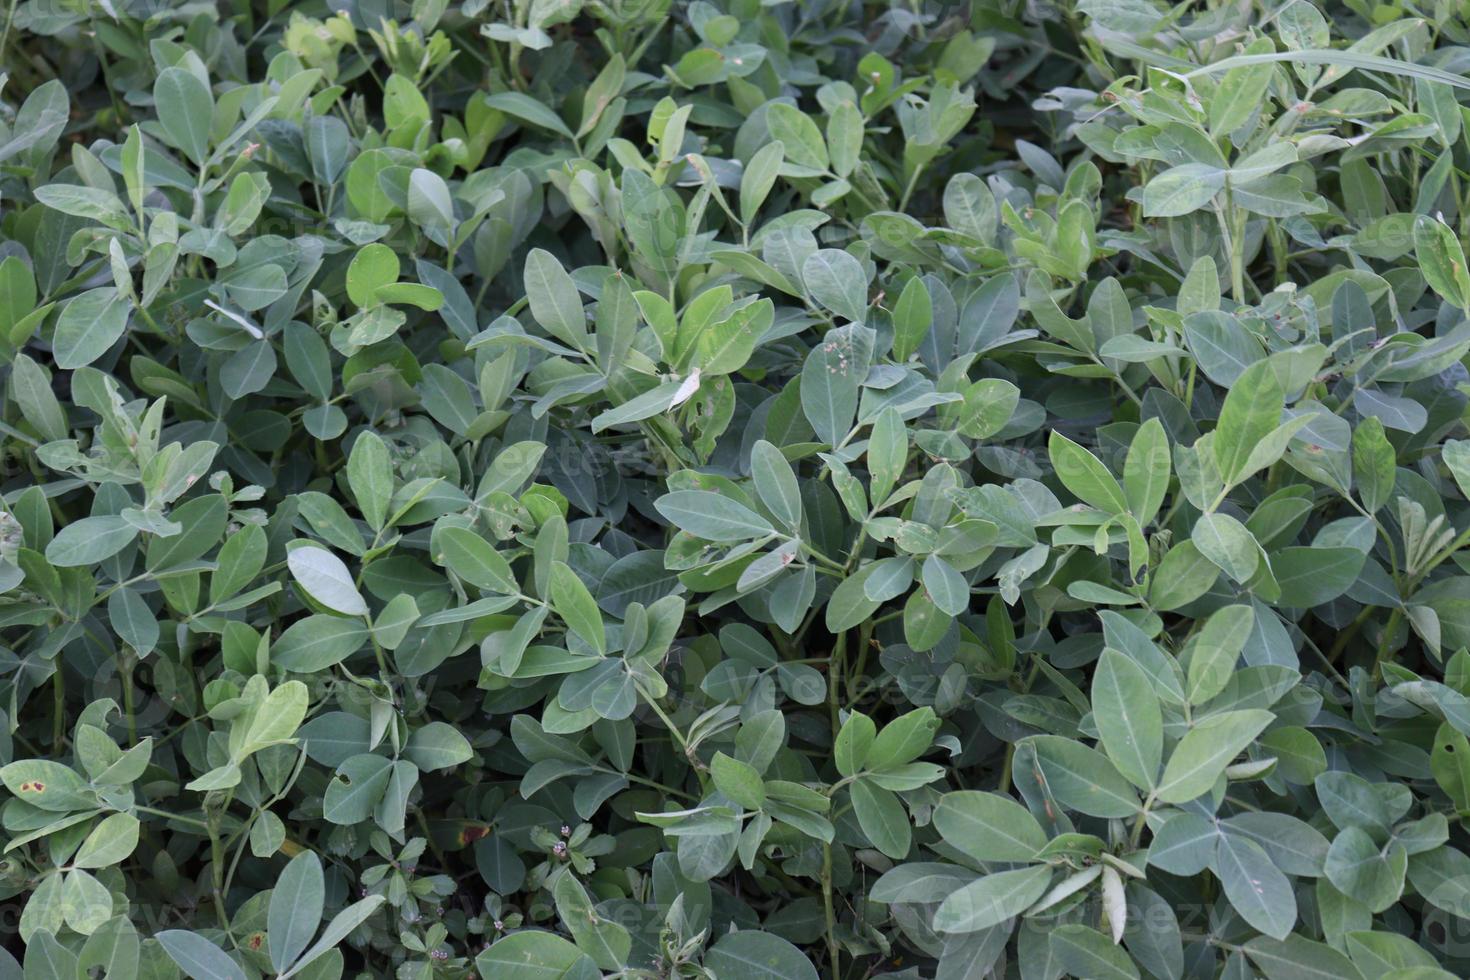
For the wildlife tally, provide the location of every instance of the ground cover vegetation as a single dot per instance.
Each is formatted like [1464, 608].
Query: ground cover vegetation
[536, 489]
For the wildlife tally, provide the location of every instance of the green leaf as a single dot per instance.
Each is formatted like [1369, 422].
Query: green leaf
[1386, 951]
[1256, 889]
[1374, 463]
[991, 900]
[887, 453]
[882, 818]
[297, 902]
[1128, 718]
[727, 345]
[1442, 261]
[1239, 93]
[1083, 952]
[1201, 756]
[355, 789]
[775, 482]
[410, 294]
[430, 205]
[89, 540]
[1084, 475]
[337, 930]
[372, 268]
[988, 826]
[830, 378]
[1251, 411]
[528, 110]
[740, 782]
[845, 137]
[202, 519]
[903, 739]
[607, 942]
[278, 718]
[854, 741]
[1215, 650]
[1183, 576]
[30, 386]
[913, 315]
[1182, 189]
[1296, 957]
[110, 842]
[1082, 779]
[85, 902]
[712, 517]
[836, 280]
[799, 134]
[370, 474]
[185, 111]
[759, 177]
[553, 298]
[437, 745]
[46, 785]
[324, 577]
[88, 326]
[1146, 471]
[475, 560]
[530, 955]
[1228, 545]
[318, 642]
[573, 602]
[1344, 60]
[395, 620]
[1366, 872]
[1312, 576]
[753, 955]
[199, 958]
[947, 588]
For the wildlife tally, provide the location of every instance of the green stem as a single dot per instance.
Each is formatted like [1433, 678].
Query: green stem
[829, 910]
[215, 808]
[865, 643]
[217, 872]
[193, 821]
[125, 668]
[1138, 824]
[1389, 629]
[651, 784]
[9, 19]
[58, 689]
[678, 736]
[1345, 635]
[903, 202]
[1235, 247]
[834, 681]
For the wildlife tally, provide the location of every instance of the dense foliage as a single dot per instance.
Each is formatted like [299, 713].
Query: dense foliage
[747, 489]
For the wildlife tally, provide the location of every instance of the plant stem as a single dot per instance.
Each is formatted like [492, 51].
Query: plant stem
[1003, 786]
[1386, 638]
[674, 732]
[1345, 635]
[1229, 233]
[217, 872]
[830, 911]
[58, 690]
[908, 191]
[834, 681]
[173, 816]
[1141, 822]
[125, 668]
